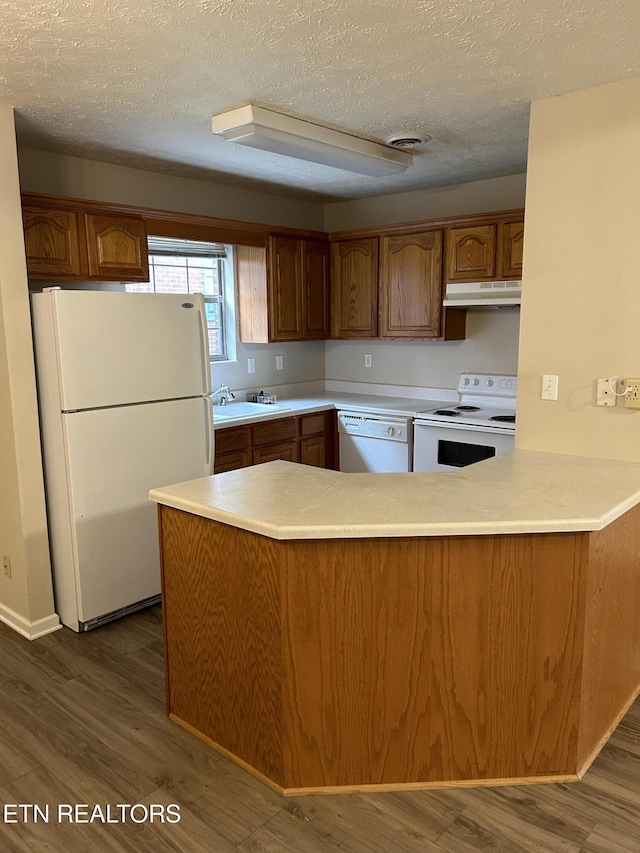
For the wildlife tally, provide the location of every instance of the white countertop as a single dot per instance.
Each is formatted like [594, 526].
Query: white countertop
[324, 400]
[519, 492]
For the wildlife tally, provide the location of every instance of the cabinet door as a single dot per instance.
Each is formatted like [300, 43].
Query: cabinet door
[315, 269]
[510, 246]
[51, 243]
[117, 247]
[268, 452]
[313, 451]
[285, 288]
[410, 285]
[354, 288]
[470, 253]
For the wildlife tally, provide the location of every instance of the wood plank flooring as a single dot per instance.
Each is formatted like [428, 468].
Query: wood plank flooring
[82, 720]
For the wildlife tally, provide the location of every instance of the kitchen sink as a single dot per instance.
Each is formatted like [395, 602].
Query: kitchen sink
[246, 410]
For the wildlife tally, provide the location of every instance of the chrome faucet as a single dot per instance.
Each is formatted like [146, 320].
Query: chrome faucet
[226, 394]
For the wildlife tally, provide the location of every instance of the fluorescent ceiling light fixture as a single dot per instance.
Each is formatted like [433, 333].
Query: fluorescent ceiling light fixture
[258, 127]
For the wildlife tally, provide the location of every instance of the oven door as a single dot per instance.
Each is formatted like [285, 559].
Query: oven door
[447, 447]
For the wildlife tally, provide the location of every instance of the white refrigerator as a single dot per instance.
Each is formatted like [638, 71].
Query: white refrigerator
[123, 385]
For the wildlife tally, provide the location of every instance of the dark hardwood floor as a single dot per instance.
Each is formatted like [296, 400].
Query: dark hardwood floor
[82, 721]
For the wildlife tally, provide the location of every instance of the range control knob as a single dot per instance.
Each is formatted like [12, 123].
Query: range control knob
[391, 431]
[476, 381]
[489, 382]
[466, 381]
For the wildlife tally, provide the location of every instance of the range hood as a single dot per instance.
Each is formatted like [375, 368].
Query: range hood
[483, 293]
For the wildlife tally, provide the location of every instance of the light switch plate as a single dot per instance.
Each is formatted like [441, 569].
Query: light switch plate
[604, 394]
[549, 387]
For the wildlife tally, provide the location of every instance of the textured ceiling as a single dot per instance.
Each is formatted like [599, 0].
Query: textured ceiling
[135, 82]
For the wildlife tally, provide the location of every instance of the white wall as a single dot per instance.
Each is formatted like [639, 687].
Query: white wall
[491, 347]
[26, 599]
[303, 363]
[581, 282]
[475, 197]
[59, 174]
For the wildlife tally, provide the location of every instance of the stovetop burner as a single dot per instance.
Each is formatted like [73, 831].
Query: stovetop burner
[485, 402]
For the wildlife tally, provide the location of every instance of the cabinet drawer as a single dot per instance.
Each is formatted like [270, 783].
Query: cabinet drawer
[314, 424]
[231, 461]
[270, 432]
[231, 439]
[287, 450]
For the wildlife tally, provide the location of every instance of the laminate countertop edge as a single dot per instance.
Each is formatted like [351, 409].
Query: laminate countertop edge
[519, 492]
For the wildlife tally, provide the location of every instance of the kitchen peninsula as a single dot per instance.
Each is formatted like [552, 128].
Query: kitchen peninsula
[338, 632]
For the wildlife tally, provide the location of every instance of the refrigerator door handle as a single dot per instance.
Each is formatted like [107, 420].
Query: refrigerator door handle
[204, 340]
[209, 433]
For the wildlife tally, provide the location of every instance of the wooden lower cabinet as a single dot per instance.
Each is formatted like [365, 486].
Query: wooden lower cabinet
[401, 663]
[304, 438]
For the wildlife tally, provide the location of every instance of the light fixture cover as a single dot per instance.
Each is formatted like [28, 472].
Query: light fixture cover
[258, 127]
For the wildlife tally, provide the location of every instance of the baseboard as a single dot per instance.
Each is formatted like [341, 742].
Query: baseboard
[30, 630]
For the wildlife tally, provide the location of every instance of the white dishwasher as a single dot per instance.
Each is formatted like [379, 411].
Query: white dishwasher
[375, 443]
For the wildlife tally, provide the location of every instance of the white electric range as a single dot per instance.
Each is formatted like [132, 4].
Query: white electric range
[481, 425]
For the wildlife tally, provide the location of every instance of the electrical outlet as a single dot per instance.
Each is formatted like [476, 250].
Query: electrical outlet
[632, 393]
[368, 359]
[251, 365]
[279, 362]
[604, 394]
[6, 565]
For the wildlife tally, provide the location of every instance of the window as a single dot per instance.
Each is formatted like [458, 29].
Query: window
[191, 266]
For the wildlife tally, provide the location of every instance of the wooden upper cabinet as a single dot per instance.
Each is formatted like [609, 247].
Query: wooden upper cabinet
[51, 242]
[65, 244]
[117, 247]
[315, 275]
[410, 285]
[354, 288]
[510, 249]
[285, 289]
[470, 253]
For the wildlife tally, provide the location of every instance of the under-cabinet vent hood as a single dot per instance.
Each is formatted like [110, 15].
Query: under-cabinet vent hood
[483, 293]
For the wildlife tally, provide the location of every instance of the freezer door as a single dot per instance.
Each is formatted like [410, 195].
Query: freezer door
[113, 348]
[114, 457]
